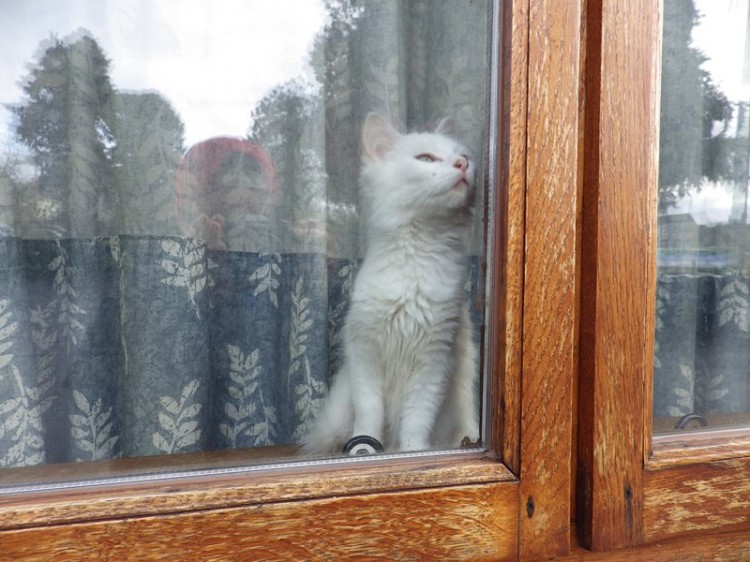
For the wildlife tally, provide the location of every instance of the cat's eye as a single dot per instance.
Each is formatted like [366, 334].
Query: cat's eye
[426, 157]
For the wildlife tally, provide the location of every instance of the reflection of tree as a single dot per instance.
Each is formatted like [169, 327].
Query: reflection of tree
[695, 114]
[279, 120]
[105, 160]
[284, 123]
[10, 184]
[149, 147]
[312, 133]
[66, 121]
[406, 60]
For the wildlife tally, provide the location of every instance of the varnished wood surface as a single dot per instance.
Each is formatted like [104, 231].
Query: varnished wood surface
[464, 523]
[651, 98]
[212, 492]
[692, 499]
[237, 534]
[635, 489]
[620, 168]
[703, 547]
[683, 448]
[549, 278]
[507, 290]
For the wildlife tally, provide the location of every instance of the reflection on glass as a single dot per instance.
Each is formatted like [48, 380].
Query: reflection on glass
[179, 215]
[702, 361]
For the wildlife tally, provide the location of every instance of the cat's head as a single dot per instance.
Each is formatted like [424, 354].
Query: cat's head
[415, 175]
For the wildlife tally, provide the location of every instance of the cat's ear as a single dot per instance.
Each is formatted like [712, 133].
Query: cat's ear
[378, 137]
[445, 126]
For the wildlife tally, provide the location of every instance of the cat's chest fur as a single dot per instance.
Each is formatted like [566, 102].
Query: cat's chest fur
[412, 280]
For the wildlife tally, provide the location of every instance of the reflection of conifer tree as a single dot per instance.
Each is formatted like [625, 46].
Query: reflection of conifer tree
[278, 120]
[695, 114]
[66, 121]
[300, 125]
[281, 124]
[10, 185]
[338, 60]
[149, 147]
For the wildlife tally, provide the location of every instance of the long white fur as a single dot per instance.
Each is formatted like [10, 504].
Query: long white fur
[410, 366]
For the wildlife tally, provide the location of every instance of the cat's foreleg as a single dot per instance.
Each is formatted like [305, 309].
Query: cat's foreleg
[333, 423]
[422, 402]
[367, 393]
[459, 418]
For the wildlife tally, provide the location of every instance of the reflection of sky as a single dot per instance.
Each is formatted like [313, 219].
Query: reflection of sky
[720, 35]
[213, 59]
[711, 205]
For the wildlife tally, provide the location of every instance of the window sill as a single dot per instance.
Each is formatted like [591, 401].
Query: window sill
[178, 493]
[699, 446]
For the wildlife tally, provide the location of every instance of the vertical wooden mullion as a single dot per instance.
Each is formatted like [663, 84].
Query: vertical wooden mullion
[620, 143]
[505, 413]
[549, 301]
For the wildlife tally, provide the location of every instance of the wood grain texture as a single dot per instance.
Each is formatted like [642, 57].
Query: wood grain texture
[723, 547]
[176, 495]
[579, 234]
[698, 447]
[695, 499]
[650, 195]
[550, 278]
[464, 523]
[508, 287]
[620, 174]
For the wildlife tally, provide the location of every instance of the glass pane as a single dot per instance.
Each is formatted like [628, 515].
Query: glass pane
[702, 363]
[182, 232]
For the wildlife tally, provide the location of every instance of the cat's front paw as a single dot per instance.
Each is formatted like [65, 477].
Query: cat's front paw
[467, 442]
[362, 445]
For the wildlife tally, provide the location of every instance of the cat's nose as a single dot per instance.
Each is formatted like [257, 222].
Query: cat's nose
[461, 163]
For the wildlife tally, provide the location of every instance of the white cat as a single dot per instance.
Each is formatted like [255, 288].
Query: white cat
[410, 366]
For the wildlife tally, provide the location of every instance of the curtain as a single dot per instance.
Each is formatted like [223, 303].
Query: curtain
[702, 361]
[150, 301]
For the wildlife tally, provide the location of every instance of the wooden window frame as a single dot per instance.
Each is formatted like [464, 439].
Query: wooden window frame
[633, 489]
[572, 293]
[469, 506]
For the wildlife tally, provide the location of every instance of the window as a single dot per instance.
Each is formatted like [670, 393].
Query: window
[701, 377]
[475, 481]
[635, 488]
[570, 462]
[181, 221]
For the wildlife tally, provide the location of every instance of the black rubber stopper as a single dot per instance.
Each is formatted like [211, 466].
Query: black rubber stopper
[362, 445]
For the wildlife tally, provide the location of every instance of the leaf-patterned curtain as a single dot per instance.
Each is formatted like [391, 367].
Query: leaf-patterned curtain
[147, 307]
[702, 362]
